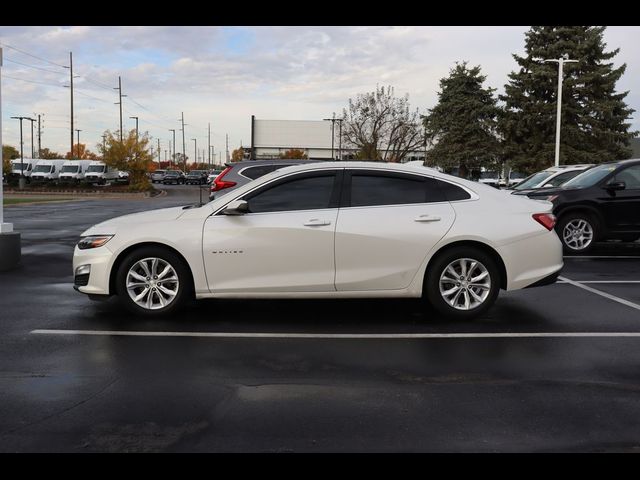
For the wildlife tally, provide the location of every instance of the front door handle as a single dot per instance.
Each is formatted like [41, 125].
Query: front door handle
[427, 218]
[316, 222]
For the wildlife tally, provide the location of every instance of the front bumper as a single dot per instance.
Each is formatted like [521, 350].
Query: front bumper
[97, 281]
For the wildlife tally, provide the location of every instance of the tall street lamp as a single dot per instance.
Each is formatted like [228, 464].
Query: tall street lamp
[560, 61]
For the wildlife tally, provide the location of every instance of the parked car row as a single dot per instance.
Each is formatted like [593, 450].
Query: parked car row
[62, 171]
[194, 177]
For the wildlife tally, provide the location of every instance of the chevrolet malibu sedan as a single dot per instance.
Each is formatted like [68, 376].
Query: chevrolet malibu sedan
[328, 230]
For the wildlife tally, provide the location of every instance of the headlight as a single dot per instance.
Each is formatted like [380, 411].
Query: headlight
[93, 241]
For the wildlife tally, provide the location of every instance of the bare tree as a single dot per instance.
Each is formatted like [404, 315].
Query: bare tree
[381, 126]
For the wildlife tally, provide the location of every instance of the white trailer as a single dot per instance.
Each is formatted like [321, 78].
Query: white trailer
[47, 170]
[100, 173]
[73, 171]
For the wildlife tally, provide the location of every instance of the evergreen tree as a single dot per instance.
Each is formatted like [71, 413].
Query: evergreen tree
[593, 119]
[462, 126]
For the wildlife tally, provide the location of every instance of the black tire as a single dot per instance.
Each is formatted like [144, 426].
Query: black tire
[573, 218]
[439, 264]
[184, 287]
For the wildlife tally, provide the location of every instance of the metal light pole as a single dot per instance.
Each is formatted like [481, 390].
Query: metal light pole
[333, 124]
[33, 153]
[78, 143]
[22, 179]
[4, 227]
[560, 61]
[195, 150]
[136, 119]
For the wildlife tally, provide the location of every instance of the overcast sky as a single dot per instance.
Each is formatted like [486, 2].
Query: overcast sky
[223, 75]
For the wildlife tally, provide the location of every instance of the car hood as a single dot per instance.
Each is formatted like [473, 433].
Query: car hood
[113, 225]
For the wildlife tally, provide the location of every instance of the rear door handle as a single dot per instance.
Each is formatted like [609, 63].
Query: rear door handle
[316, 222]
[427, 218]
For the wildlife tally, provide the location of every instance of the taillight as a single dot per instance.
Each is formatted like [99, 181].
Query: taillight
[219, 183]
[547, 220]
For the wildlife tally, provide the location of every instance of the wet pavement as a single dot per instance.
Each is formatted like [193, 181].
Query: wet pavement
[417, 392]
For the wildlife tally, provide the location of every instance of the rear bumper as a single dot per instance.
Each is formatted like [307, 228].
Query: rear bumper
[548, 280]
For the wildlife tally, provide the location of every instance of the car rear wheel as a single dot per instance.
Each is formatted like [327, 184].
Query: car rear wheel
[152, 281]
[577, 232]
[462, 283]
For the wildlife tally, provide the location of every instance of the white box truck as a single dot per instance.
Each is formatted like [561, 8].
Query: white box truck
[47, 170]
[73, 171]
[100, 173]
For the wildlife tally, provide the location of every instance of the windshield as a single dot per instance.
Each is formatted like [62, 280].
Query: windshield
[69, 169]
[96, 168]
[533, 180]
[42, 169]
[590, 177]
[489, 175]
[517, 175]
[158, 172]
[171, 174]
[18, 166]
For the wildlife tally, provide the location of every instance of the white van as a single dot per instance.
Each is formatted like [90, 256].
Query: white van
[99, 172]
[73, 171]
[47, 170]
[25, 166]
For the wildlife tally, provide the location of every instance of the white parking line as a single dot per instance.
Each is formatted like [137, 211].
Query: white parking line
[338, 335]
[602, 256]
[601, 293]
[604, 281]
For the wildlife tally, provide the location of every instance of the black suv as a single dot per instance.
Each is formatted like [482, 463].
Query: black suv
[173, 176]
[602, 203]
[196, 177]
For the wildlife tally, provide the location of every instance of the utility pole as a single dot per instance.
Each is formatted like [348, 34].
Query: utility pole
[333, 123]
[209, 147]
[71, 88]
[33, 153]
[560, 61]
[78, 143]
[159, 152]
[195, 149]
[165, 155]
[22, 180]
[173, 157]
[136, 118]
[227, 148]
[184, 155]
[339, 120]
[39, 138]
[120, 95]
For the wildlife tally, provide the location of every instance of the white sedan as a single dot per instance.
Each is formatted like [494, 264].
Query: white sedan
[328, 230]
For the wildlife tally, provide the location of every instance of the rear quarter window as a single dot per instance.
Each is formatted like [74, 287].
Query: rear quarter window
[453, 192]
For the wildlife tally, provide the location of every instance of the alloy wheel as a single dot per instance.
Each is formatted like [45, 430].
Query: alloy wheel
[577, 234]
[465, 284]
[152, 283]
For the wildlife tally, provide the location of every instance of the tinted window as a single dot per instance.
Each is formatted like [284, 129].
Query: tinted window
[630, 176]
[370, 190]
[562, 178]
[256, 172]
[453, 192]
[308, 193]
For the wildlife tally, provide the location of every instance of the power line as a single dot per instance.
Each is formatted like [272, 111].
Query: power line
[32, 81]
[33, 66]
[34, 56]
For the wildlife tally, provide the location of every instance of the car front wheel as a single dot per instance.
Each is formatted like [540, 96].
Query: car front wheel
[152, 281]
[577, 232]
[462, 283]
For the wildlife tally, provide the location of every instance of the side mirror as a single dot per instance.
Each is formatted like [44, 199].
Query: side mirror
[615, 186]
[237, 207]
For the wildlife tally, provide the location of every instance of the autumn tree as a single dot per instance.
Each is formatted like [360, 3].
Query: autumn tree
[237, 155]
[8, 154]
[462, 127]
[48, 154]
[131, 155]
[294, 153]
[80, 152]
[381, 126]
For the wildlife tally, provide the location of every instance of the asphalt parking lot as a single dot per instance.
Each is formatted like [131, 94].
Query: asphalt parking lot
[555, 368]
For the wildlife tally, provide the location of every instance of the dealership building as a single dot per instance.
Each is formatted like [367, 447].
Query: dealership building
[270, 138]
